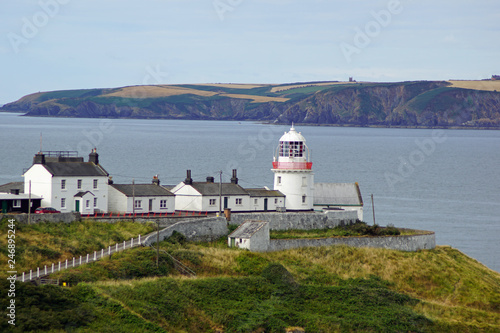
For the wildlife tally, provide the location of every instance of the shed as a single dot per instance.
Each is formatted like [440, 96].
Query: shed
[251, 235]
[338, 196]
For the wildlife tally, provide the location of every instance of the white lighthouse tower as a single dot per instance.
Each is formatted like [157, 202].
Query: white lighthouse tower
[292, 169]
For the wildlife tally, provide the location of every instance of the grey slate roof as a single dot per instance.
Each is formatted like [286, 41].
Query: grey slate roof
[75, 169]
[247, 229]
[262, 192]
[81, 194]
[213, 188]
[5, 188]
[142, 190]
[337, 194]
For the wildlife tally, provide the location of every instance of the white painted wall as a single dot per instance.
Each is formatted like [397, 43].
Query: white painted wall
[101, 192]
[271, 204]
[119, 203]
[294, 187]
[41, 183]
[187, 198]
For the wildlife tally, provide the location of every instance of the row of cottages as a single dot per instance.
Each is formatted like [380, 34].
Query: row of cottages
[209, 196]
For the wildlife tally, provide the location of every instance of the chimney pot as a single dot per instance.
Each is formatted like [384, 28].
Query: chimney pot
[234, 179]
[188, 180]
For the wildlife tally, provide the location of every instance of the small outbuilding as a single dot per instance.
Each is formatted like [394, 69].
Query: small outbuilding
[338, 196]
[250, 235]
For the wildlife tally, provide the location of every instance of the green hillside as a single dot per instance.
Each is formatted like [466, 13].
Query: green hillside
[466, 104]
[326, 289]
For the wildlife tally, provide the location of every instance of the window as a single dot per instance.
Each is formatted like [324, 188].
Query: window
[63, 184]
[163, 204]
[95, 183]
[138, 204]
[239, 201]
[212, 202]
[63, 202]
[255, 201]
[303, 199]
[279, 179]
[16, 204]
[87, 203]
[275, 201]
[304, 181]
[79, 184]
[95, 202]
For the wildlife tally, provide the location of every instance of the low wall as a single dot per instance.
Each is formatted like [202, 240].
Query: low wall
[424, 241]
[37, 218]
[205, 229]
[302, 221]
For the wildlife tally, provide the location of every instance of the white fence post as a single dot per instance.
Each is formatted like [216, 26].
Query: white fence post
[132, 242]
[38, 272]
[52, 268]
[23, 276]
[59, 269]
[139, 239]
[124, 245]
[109, 250]
[87, 258]
[30, 274]
[80, 260]
[73, 262]
[45, 270]
[66, 264]
[116, 247]
[95, 255]
[102, 253]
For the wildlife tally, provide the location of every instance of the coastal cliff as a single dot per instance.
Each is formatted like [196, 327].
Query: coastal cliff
[402, 104]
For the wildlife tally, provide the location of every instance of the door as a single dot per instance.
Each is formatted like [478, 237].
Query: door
[265, 204]
[226, 202]
[150, 205]
[4, 207]
[233, 242]
[77, 206]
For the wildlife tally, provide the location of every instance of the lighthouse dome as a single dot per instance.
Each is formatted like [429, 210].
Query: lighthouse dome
[292, 135]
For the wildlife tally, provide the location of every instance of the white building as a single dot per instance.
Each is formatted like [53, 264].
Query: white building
[140, 198]
[209, 196]
[67, 183]
[293, 174]
[250, 235]
[338, 196]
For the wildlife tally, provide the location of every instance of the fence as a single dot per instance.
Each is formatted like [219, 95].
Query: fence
[75, 262]
[147, 214]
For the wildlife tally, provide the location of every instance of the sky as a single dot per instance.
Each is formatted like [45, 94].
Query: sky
[50, 45]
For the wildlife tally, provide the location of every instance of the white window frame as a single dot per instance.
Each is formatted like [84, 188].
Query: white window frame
[138, 204]
[63, 202]
[163, 204]
[79, 183]
[275, 201]
[87, 203]
[95, 183]
[212, 202]
[63, 184]
[16, 203]
[279, 180]
[256, 201]
[238, 201]
[304, 199]
[95, 202]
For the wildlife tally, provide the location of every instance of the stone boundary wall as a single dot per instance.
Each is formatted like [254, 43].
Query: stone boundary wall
[204, 229]
[426, 240]
[37, 218]
[302, 221]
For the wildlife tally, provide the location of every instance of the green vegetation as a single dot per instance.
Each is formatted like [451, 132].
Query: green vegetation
[357, 229]
[325, 289]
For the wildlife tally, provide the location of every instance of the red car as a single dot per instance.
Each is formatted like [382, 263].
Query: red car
[46, 210]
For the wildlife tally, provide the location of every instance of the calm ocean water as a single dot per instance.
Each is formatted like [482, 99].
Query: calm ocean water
[447, 181]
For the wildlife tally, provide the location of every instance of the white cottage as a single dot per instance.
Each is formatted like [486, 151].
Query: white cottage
[250, 235]
[141, 198]
[68, 183]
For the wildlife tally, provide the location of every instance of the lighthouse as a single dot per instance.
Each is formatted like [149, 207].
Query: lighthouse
[293, 175]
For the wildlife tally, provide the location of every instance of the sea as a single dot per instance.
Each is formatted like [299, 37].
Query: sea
[447, 181]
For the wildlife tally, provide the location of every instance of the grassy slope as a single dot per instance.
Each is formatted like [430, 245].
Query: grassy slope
[328, 290]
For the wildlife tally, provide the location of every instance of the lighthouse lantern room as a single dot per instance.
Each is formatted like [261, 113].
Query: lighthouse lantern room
[292, 169]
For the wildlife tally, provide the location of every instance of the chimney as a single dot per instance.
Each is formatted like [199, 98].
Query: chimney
[156, 180]
[39, 158]
[234, 179]
[110, 180]
[188, 180]
[210, 179]
[94, 156]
